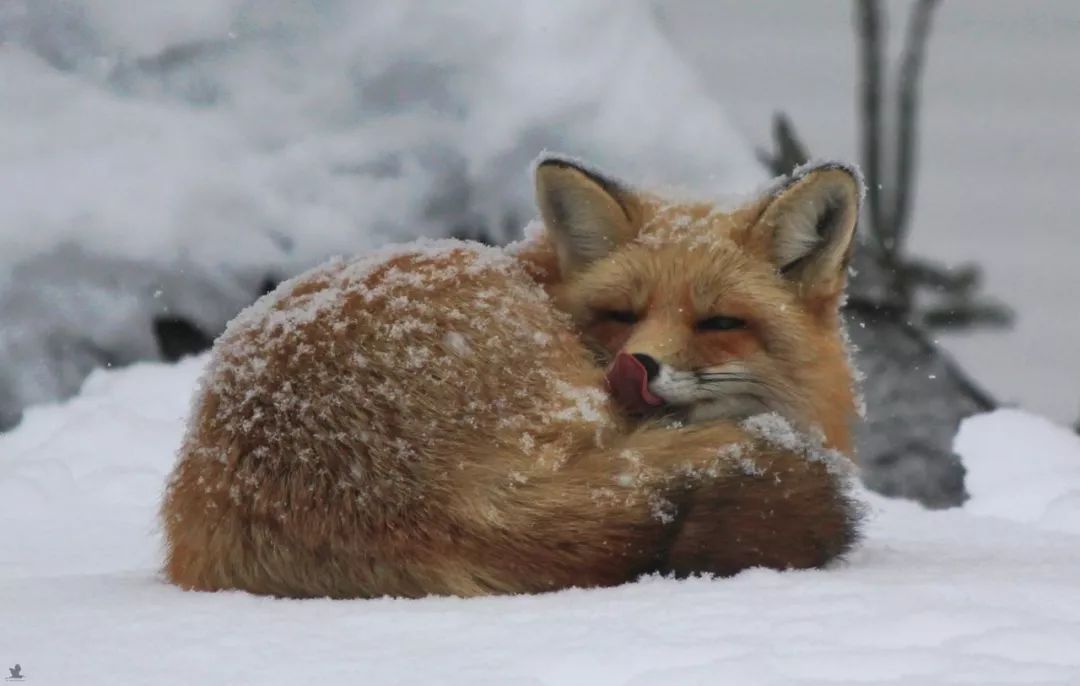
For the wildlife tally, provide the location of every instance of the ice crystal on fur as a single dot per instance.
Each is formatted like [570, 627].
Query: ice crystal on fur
[457, 343]
[857, 375]
[777, 430]
[663, 510]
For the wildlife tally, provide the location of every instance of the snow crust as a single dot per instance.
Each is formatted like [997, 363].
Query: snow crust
[986, 594]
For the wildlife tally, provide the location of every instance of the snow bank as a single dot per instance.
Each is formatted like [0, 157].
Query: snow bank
[1010, 454]
[984, 594]
[192, 150]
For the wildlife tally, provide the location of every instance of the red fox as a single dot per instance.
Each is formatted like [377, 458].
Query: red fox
[447, 418]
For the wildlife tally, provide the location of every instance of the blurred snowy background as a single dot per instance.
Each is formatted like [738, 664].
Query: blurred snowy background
[170, 160]
[162, 164]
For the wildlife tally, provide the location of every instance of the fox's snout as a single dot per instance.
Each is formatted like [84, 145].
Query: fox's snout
[629, 377]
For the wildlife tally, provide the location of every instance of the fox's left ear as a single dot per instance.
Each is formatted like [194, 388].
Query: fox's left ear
[587, 214]
[809, 226]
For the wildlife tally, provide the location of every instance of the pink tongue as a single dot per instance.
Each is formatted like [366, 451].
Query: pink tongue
[629, 383]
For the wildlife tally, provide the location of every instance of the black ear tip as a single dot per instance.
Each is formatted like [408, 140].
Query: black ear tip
[550, 160]
[548, 168]
[850, 172]
[559, 162]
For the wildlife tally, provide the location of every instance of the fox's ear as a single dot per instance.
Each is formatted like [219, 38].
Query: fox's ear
[586, 214]
[810, 225]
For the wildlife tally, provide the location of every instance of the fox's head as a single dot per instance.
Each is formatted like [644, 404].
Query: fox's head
[702, 312]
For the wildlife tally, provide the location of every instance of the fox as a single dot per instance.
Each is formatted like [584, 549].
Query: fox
[646, 385]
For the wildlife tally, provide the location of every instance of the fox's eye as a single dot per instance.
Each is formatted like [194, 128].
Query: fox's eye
[620, 316]
[720, 323]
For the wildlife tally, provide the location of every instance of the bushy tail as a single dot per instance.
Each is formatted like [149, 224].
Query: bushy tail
[714, 499]
[781, 507]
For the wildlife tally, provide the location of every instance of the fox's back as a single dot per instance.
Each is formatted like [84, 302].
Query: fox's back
[364, 397]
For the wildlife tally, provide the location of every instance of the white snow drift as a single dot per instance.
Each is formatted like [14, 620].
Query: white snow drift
[985, 594]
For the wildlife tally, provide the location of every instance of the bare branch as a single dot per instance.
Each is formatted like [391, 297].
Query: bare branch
[789, 153]
[907, 134]
[871, 48]
[959, 281]
[966, 315]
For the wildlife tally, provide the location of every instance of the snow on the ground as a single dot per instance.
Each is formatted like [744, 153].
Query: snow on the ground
[987, 594]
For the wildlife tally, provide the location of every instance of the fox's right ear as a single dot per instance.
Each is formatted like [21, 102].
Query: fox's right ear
[586, 214]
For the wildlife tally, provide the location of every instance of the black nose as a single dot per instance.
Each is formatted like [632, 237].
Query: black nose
[652, 367]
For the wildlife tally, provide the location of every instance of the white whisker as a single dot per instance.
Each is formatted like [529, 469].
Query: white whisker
[731, 391]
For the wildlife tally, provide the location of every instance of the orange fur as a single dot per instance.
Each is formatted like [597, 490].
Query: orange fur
[429, 420]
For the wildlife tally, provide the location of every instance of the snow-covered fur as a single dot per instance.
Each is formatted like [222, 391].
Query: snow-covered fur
[425, 420]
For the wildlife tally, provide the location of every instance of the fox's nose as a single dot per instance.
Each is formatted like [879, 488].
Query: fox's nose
[652, 367]
[629, 377]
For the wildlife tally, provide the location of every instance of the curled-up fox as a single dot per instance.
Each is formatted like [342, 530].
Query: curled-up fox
[448, 418]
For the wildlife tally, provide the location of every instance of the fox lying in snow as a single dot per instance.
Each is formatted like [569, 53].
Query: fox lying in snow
[433, 419]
